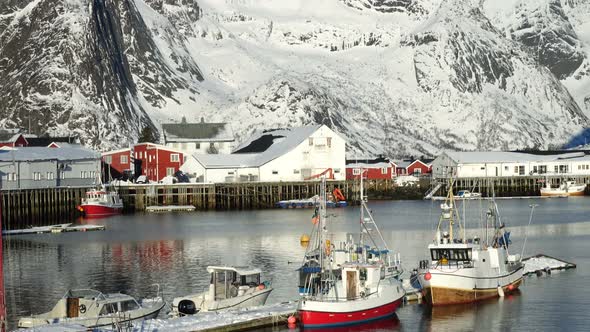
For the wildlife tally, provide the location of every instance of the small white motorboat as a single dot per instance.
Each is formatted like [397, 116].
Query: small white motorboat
[91, 308]
[230, 288]
[566, 188]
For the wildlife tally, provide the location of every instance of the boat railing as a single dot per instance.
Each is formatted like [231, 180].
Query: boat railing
[362, 295]
[451, 264]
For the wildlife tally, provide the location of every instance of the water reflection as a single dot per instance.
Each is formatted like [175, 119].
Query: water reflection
[173, 250]
[386, 324]
[492, 314]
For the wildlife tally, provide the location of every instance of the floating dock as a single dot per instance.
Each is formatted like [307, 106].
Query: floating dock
[542, 263]
[234, 320]
[170, 208]
[61, 228]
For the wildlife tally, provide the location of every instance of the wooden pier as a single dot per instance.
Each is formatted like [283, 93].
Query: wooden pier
[41, 207]
[506, 186]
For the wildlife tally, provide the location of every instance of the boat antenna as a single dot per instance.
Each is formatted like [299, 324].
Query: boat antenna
[532, 206]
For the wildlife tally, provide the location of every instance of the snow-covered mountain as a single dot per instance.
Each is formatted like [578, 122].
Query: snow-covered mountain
[393, 76]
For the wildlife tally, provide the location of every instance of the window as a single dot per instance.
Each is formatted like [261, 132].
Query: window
[50, 176]
[310, 141]
[129, 305]
[169, 171]
[108, 308]
[11, 177]
[197, 146]
[174, 157]
[563, 169]
[230, 173]
[124, 159]
[417, 171]
[37, 176]
[542, 169]
[336, 170]
[329, 141]
[520, 170]
[506, 168]
[556, 168]
[384, 170]
[275, 172]
[535, 170]
[356, 171]
[63, 175]
[108, 159]
[295, 171]
[516, 169]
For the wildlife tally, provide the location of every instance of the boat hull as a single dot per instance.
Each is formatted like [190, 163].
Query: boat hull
[441, 294]
[97, 210]
[562, 193]
[319, 319]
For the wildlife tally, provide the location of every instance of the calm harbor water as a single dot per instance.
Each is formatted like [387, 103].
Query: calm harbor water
[173, 250]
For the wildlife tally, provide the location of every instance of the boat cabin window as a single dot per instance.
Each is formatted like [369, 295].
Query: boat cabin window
[108, 308]
[129, 305]
[250, 280]
[363, 274]
[463, 255]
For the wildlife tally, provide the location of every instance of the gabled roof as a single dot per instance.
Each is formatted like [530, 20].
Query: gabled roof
[373, 160]
[39, 153]
[9, 137]
[202, 131]
[259, 149]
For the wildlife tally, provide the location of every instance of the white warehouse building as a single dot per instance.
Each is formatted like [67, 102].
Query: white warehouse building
[508, 164]
[289, 154]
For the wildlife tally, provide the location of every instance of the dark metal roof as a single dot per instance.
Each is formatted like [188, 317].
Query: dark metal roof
[197, 131]
[377, 160]
[45, 141]
[260, 144]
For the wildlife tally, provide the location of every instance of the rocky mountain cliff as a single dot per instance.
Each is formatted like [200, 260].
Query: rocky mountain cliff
[393, 76]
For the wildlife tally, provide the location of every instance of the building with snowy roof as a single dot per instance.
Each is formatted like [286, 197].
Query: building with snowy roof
[43, 167]
[201, 138]
[289, 154]
[508, 164]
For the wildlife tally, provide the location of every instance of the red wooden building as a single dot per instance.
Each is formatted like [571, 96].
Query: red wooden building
[152, 160]
[374, 169]
[412, 167]
[12, 140]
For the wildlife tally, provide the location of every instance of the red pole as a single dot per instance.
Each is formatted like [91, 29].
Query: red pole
[2, 299]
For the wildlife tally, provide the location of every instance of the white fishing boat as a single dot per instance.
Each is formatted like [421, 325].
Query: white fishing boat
[566, 188]
[230, 288]
[92, 309]
[462, 270]
[350, 282]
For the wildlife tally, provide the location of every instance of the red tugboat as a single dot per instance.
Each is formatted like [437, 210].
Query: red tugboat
[101, 203]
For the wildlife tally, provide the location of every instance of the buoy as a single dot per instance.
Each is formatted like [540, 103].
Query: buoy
[291, 326]
[291, 320]
[511, 287]
[304, 238]
[427, 276]
[261, 286]
[315, 220]
[500, 291]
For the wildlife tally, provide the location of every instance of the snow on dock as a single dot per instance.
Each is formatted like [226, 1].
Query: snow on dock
[231, 320]
[169, 208]
[61, 228]
[543, 263]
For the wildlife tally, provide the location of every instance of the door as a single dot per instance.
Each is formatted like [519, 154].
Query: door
[72, 304]
[351, 285]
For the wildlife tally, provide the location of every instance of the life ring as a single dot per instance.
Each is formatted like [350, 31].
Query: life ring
[338, 194]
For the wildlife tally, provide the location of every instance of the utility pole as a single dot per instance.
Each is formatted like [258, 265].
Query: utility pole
[2, 298]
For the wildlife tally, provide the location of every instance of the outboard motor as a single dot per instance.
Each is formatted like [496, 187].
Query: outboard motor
[187, 307]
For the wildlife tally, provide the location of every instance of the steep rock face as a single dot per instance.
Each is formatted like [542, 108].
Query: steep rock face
[545, 29]
[388, 6]
[66, 72]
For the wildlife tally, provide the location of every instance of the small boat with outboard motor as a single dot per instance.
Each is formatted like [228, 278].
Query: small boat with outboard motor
[231, 287]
